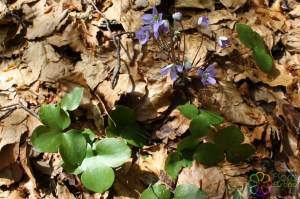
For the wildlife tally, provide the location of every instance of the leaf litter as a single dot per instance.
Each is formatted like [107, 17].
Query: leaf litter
[64, 44]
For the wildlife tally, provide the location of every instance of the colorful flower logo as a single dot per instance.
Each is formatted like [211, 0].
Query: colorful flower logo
[260, 184]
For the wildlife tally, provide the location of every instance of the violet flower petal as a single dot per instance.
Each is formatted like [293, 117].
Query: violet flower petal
[165, 70]
[173, 75]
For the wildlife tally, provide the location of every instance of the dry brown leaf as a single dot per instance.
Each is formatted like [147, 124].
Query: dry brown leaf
[233, 4]
[9, 154]
[146, 169]
[156, 102]
[10, 174]
[45, 24]
[295, 12]
[293, 90]
[111, 96]
[26, 164]
[35, 57]
[233, 107]
[13, 127]
[291, 40]
[62, 191]
[193, 43]
[209, 4]
[93, 68]
[174, 127]
[212, 179]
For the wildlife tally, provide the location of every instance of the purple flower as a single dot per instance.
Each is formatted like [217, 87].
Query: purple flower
[187, 65]
[177, 16]
[207, 76]
[143, 34]
[223, 41]
[165, 25]
[154, 19]
[203, 21]
[173, 68]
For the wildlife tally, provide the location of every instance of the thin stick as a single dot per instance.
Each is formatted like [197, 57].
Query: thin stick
[116, 43]
[183, 41]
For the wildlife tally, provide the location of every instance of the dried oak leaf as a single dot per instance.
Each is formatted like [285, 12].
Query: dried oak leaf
[212, 179]
[157, 100]
[233, 4]
[45, 24]
[293, 90]
[209, 4]
[291, 40]
[71, 36]
[93, 69]
[10, 174]
[235, 109]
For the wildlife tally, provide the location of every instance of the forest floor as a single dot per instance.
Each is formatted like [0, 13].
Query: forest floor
[49, 47]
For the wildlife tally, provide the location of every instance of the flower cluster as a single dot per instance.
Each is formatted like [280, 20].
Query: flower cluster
[153, 25]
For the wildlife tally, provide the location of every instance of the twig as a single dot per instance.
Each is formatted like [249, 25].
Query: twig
[116, 43]
[18, 18]
[22, 106]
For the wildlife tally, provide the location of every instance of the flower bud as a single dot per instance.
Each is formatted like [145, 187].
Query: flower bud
[177, 16]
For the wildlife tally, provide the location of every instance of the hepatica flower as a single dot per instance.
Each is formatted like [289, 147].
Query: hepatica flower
[207, 75]
[203, 21]
[154, 19]
[173, 68]
[223, 42]
[143, 34]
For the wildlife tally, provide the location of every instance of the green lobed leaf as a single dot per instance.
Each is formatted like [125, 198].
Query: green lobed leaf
[209, 154]
[124, 124]
[113, 152]
[263, 59]
[73, 147]
[73, 169]
[174, 163]
[212, 118]
[245, 34]
[46, 139]
[98, 178]
[229, 137]
[156, 192]
[188, 143]
[258, 42]
[132, 134]
[122, 116]
[199, 126]
[189, 191]
[54, 117]
[239, 153]
[89, 134]
[71, 101]
[189, 111]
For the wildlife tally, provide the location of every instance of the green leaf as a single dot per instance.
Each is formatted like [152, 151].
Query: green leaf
[156, 192]
[174, 163]
[46, 139]
[113, 152]
[209, 154]
[258, 42]
[98, 178]
[228, 137]
[122, 116]
[71, 101]
[189, 111]
[73, 147]
[211, 117]
[90, 134]
[189, 191]
[73, 169]
[125, 125]
[188, 143]
[263, 59]
[54, 117]
[199, 126]
[239, 153]
[132, 134]
[245, 34]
